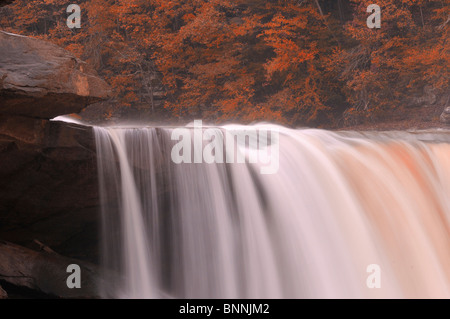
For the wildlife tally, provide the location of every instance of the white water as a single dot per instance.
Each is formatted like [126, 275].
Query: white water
[339, 202]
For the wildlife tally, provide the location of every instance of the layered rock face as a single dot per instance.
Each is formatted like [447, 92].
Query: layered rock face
[39, 79]
[48, 188]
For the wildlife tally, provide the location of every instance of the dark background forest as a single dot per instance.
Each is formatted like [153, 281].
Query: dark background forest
[295, 62]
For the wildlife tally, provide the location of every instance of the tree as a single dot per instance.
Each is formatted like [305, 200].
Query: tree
[306, 62]
[386, 66]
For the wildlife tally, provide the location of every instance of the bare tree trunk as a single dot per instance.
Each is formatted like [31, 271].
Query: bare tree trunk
[152, 98]
[148, 86]
[320, 8]
[341, 13]
[326, 22]
[421, 16]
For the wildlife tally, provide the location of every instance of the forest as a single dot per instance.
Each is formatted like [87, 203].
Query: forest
[294, 62]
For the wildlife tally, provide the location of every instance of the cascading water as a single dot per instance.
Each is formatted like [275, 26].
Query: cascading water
[338, 203]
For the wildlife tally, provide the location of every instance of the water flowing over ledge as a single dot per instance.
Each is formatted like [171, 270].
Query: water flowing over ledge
[338, 203]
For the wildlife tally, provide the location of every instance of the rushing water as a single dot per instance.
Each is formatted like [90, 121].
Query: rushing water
[338, 203]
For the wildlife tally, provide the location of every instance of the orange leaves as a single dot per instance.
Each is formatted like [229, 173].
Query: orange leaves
[288, 56]
[394, 64]
[238, 58]
[253, 59]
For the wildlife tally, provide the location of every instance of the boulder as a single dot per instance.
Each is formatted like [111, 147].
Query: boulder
[445, 116]
[46, 272]
[38, 79]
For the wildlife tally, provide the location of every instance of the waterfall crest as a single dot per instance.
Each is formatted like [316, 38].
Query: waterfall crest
[338, 203]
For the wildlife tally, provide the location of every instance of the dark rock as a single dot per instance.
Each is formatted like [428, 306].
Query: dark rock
[41, 80]
[5, 2]
[48, 171]
[48, 188]
[427, 97]
[3, 294]
[445, 116]
[46, 272]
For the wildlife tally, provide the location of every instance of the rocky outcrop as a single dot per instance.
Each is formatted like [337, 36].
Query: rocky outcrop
[445, 116]
[41, 80]
[48, 188]
[48, 171]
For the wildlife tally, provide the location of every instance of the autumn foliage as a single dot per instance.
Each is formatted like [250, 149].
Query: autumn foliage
[295, 62]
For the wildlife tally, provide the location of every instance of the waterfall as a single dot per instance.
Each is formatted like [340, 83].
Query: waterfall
[342, 208]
